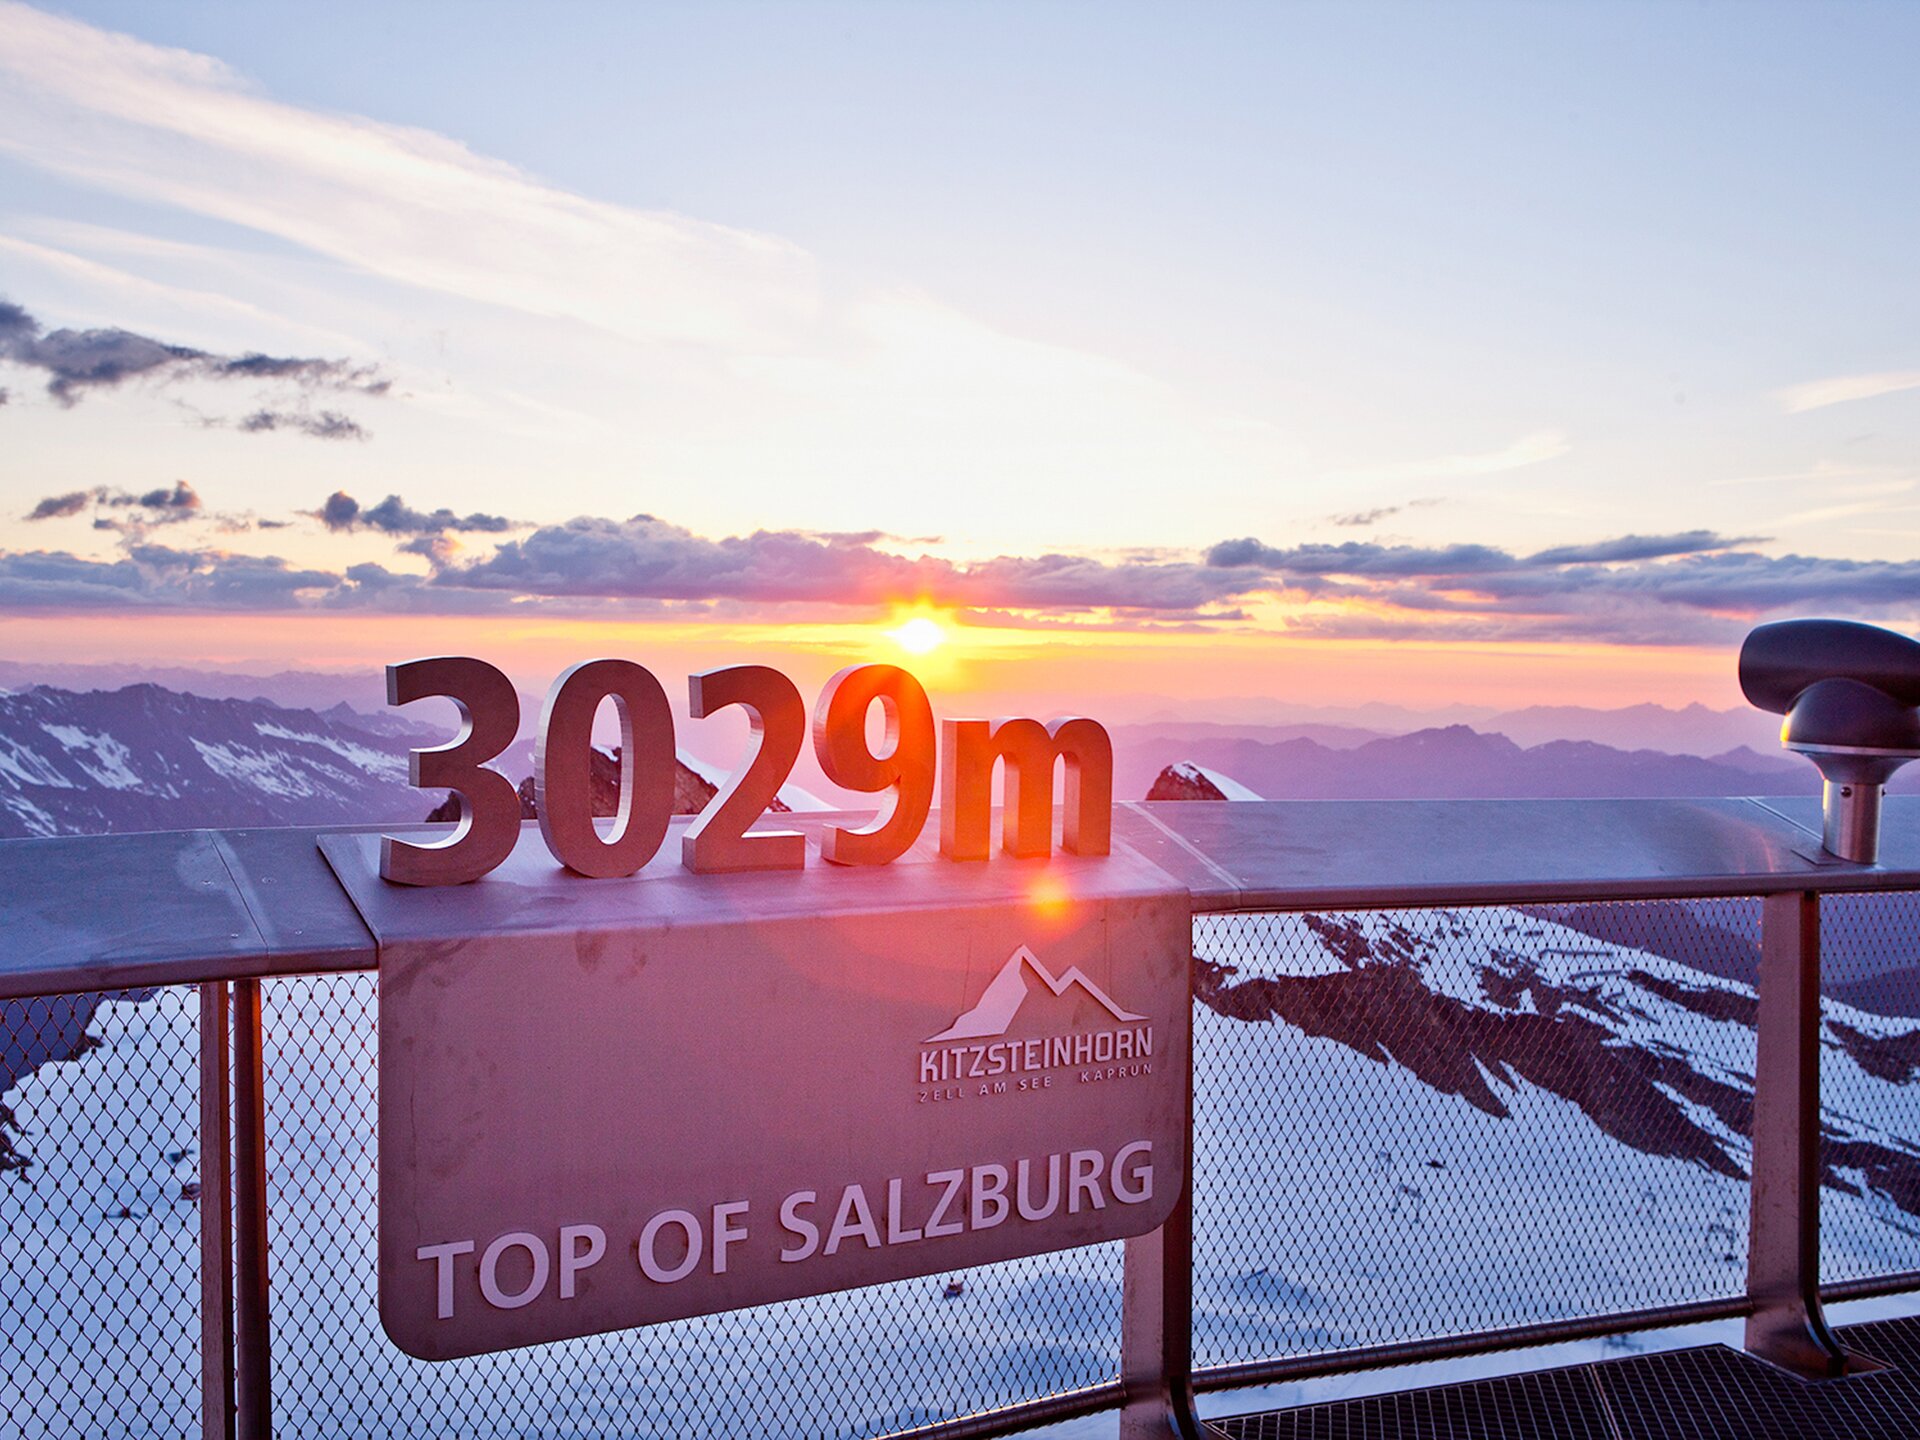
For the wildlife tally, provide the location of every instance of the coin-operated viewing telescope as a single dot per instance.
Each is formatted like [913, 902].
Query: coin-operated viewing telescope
[1849, 692]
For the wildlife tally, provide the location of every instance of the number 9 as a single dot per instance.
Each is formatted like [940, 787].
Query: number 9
[906, 770]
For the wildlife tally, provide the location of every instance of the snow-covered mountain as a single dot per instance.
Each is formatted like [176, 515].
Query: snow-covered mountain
[1480, 1118]
[1655, 1053]
[146, 758]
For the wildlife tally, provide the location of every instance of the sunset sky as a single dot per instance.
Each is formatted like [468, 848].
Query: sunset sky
[1165, 357]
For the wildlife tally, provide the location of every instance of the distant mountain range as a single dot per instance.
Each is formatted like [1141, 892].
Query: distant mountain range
[1690, 730]
[1459, 763]
[1145, 746]
[364, 690]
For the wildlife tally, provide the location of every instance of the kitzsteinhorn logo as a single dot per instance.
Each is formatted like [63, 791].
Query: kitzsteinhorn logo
[1008, 991]
[971, 1047]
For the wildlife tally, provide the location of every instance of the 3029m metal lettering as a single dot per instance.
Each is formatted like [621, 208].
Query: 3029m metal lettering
[902, 772]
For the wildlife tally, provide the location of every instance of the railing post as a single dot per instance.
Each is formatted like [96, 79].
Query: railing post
[216, 1219]
[1786, 1325]
[1156, 1319]
[253, 1391]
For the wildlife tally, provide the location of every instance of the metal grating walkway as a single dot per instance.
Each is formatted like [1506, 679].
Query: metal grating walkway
[1711, 1393]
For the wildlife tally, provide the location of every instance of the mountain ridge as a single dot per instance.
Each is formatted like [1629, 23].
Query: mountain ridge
[1458, 762]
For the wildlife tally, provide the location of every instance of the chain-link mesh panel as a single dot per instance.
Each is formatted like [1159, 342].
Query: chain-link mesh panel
[1408, 1124]
[1423, 1123]
[1870, 1084]
[99, 1216]
[855, 1364]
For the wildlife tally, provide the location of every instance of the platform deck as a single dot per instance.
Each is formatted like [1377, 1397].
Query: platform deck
[1708, 1393]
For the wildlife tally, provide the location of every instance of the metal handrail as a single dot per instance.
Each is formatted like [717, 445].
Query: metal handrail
[180, 907]
[1770, 858]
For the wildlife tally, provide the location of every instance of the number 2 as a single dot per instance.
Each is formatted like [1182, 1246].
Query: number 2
[718, 840]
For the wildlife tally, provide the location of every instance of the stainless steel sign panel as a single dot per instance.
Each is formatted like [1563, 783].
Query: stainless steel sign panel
[612, 1103]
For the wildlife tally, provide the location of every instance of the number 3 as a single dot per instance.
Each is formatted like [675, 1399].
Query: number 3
[489, 808]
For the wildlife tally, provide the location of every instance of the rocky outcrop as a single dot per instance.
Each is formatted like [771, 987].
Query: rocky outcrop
[1183, 782]
[1579, 1033]
[691, 792]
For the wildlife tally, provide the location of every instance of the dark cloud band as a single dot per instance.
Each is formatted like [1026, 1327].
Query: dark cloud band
[645, 557]
[178, 501]
[326, 425]
[1694, 587]
[393, 516]
[79, 361]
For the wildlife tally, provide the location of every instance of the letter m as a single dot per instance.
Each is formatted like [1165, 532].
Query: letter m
[1029, 749]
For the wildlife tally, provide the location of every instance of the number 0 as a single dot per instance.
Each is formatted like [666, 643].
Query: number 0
[563, 768]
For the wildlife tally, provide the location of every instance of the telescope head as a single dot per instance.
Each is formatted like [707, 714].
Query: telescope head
[1851, 697]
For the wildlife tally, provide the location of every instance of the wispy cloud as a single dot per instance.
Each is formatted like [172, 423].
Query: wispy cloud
[1818, 394]
[1366, 519]
[1362, 519]
[845, 376]
[1693, 587]
[1879, 497]
[155, 575]
[591, 565]
[1534, 448]
[182, 129]
[134, 515]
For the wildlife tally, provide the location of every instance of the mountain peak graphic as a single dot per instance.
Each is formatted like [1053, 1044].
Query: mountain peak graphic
[1007, 992]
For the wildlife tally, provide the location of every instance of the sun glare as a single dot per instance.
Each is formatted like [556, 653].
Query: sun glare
[919, 636]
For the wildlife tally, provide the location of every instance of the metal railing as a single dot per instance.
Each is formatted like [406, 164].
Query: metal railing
[1419, 1133]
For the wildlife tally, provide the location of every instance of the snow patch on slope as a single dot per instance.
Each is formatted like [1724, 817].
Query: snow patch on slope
[37, 821]
[263, 771]
[24, 766]
[365, 757]
[1229, 788]
[110, 767]
[792, 796]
